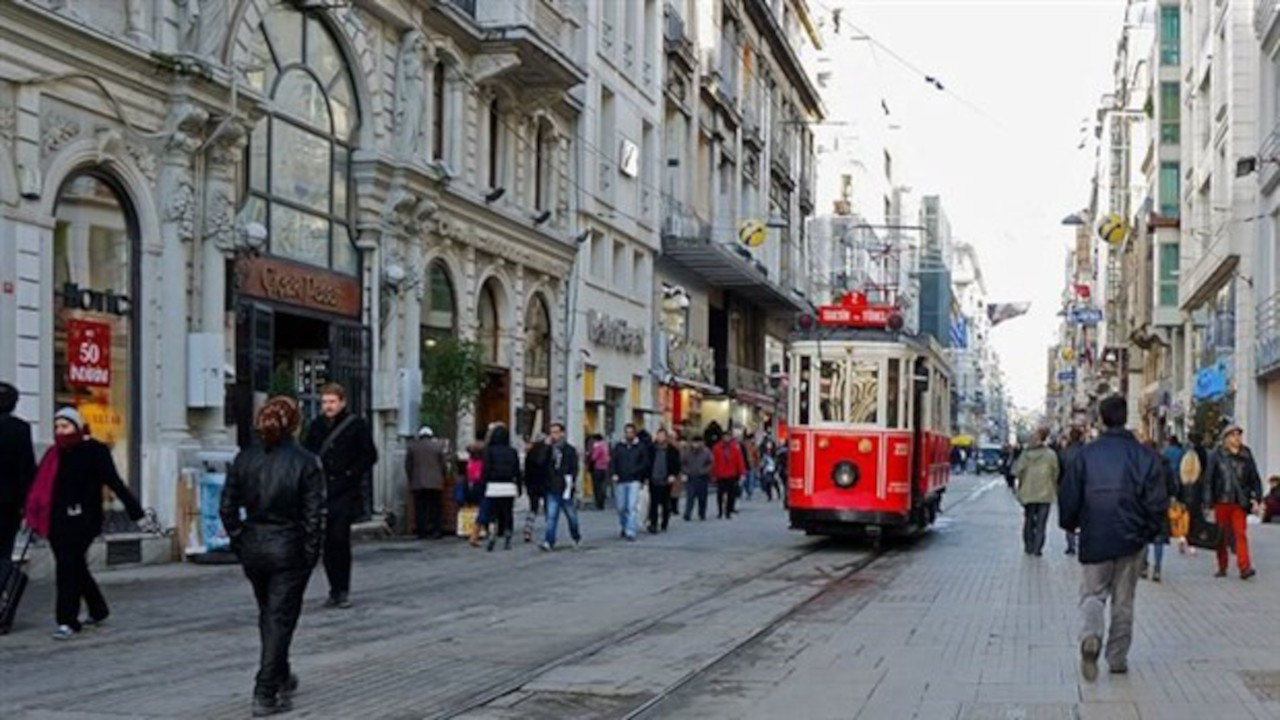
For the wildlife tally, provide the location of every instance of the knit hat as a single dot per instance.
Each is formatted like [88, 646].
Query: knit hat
[1232, 428]
[278, 419]
[71, 415]
[425, 432]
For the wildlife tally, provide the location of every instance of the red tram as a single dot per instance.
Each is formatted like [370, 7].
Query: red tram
[869, 426]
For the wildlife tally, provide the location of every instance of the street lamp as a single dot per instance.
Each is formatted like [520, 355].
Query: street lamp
[1075, 219]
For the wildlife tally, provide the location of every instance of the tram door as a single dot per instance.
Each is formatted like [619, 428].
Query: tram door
[920, 400]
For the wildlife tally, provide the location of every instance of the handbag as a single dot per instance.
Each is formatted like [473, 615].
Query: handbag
[466, 520]
[1204, 534]
[1179, 520]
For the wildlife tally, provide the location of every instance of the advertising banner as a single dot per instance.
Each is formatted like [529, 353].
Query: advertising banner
[88, 353]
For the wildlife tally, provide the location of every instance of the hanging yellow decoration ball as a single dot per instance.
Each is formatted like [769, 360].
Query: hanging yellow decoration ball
[753, 233]
[1113, 229]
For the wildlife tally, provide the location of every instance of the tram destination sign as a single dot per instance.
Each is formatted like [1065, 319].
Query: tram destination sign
[855, 312]
[295, 284]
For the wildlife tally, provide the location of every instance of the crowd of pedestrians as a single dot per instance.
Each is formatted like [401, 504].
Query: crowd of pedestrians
[647, 476]
[1121, 502]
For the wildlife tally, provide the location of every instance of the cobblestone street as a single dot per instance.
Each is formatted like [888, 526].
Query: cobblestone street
[738, 619]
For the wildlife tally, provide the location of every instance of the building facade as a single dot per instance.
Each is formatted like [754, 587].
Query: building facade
[208, 202]
[738, 183]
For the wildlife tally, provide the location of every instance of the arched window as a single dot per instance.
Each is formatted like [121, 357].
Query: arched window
[537, 345]
[298, 180]
[439, 316]
[95, 300]
[490, 327]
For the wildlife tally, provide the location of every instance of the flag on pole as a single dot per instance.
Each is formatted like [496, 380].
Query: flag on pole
[999, 312]
[1083, 291]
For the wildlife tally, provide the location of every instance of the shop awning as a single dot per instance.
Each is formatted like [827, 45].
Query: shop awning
[698, 385]
[755, 398]
[731, 267]
[962, 441]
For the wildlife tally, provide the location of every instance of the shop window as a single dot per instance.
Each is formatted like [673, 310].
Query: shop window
[298, 156]
[495, 145]
[94, 260]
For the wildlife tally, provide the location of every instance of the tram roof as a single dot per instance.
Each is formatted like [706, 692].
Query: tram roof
[924, 344]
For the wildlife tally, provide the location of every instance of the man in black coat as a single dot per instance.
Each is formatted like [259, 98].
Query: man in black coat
[664, 468]
[17, 470]
[344, 443]
[562, 487]
[1115, 496]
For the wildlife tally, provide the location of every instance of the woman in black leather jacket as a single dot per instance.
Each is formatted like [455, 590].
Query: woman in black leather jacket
[503, 483]
[273, 511]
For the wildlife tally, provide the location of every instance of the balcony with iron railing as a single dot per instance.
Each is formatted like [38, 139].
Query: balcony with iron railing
[715, 254]
[746, 381]
[545, 35]
[675, 36]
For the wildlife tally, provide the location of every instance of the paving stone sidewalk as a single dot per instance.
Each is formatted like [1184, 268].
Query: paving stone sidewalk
[964, 626]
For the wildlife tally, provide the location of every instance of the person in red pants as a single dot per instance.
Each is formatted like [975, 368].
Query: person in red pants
[1233, 489]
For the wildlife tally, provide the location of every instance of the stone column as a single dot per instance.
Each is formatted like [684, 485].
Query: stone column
[516, 344]
[178, 198]
[220, 237]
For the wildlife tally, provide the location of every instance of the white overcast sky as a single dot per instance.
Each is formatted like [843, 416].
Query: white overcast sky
[1009, 172]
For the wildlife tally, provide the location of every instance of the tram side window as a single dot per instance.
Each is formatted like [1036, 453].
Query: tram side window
[864, 392]
[893, 381]
[832, 381]
[803, 387]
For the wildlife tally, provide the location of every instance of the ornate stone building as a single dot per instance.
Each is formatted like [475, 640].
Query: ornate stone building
[206, 201]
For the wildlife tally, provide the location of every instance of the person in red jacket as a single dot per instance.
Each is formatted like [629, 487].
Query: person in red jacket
[728, 468]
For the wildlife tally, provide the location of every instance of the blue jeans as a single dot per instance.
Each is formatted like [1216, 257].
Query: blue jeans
[749, 486]
[556, 505]
[627, 494]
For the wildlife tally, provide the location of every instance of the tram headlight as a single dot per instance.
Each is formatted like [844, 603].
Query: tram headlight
[845, 474]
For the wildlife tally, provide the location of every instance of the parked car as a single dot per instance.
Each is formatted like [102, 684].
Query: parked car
[989, 459]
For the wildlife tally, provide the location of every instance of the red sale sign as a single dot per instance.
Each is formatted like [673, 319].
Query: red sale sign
[88, 353]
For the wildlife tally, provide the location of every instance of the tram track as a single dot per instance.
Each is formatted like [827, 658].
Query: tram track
[650, 708]
[650, 704]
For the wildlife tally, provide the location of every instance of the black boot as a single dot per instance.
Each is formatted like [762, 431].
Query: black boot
[264, 706]
[508, 545]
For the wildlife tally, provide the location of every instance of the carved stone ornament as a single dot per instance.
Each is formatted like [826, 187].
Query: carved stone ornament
[410, 95]
[398, 211]
[220, 221]
[615, 333]
[229, 147]
[143, 158]
[56, 130]
[181, 209]
[187, 122]
[8, 123]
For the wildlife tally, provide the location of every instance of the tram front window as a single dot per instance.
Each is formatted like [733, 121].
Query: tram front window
[849, 392]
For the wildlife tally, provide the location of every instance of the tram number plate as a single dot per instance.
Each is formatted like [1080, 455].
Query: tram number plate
[899, 488]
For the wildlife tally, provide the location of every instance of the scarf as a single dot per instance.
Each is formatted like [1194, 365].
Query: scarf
[39, 510]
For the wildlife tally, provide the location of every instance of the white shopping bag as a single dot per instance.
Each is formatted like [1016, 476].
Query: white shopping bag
[642, 505]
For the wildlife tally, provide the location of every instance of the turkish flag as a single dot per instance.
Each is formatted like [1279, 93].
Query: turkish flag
[1083, 291]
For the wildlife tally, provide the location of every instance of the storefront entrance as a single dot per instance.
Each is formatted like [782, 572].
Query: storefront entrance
[494, 404]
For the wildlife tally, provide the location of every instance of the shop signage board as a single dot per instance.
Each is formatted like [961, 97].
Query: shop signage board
[88, 353]
[292, 283]
[616, 333]
[1068, 375]
[1085, 316]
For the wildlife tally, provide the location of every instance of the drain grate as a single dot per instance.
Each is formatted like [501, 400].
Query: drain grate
[1264, 685]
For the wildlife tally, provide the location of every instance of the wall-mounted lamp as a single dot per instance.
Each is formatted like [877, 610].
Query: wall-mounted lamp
[495, 195]
[542, 217]
[254, 235]
[393, 275]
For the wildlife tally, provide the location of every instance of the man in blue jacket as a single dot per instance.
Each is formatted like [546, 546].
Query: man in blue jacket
[1115, 497]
